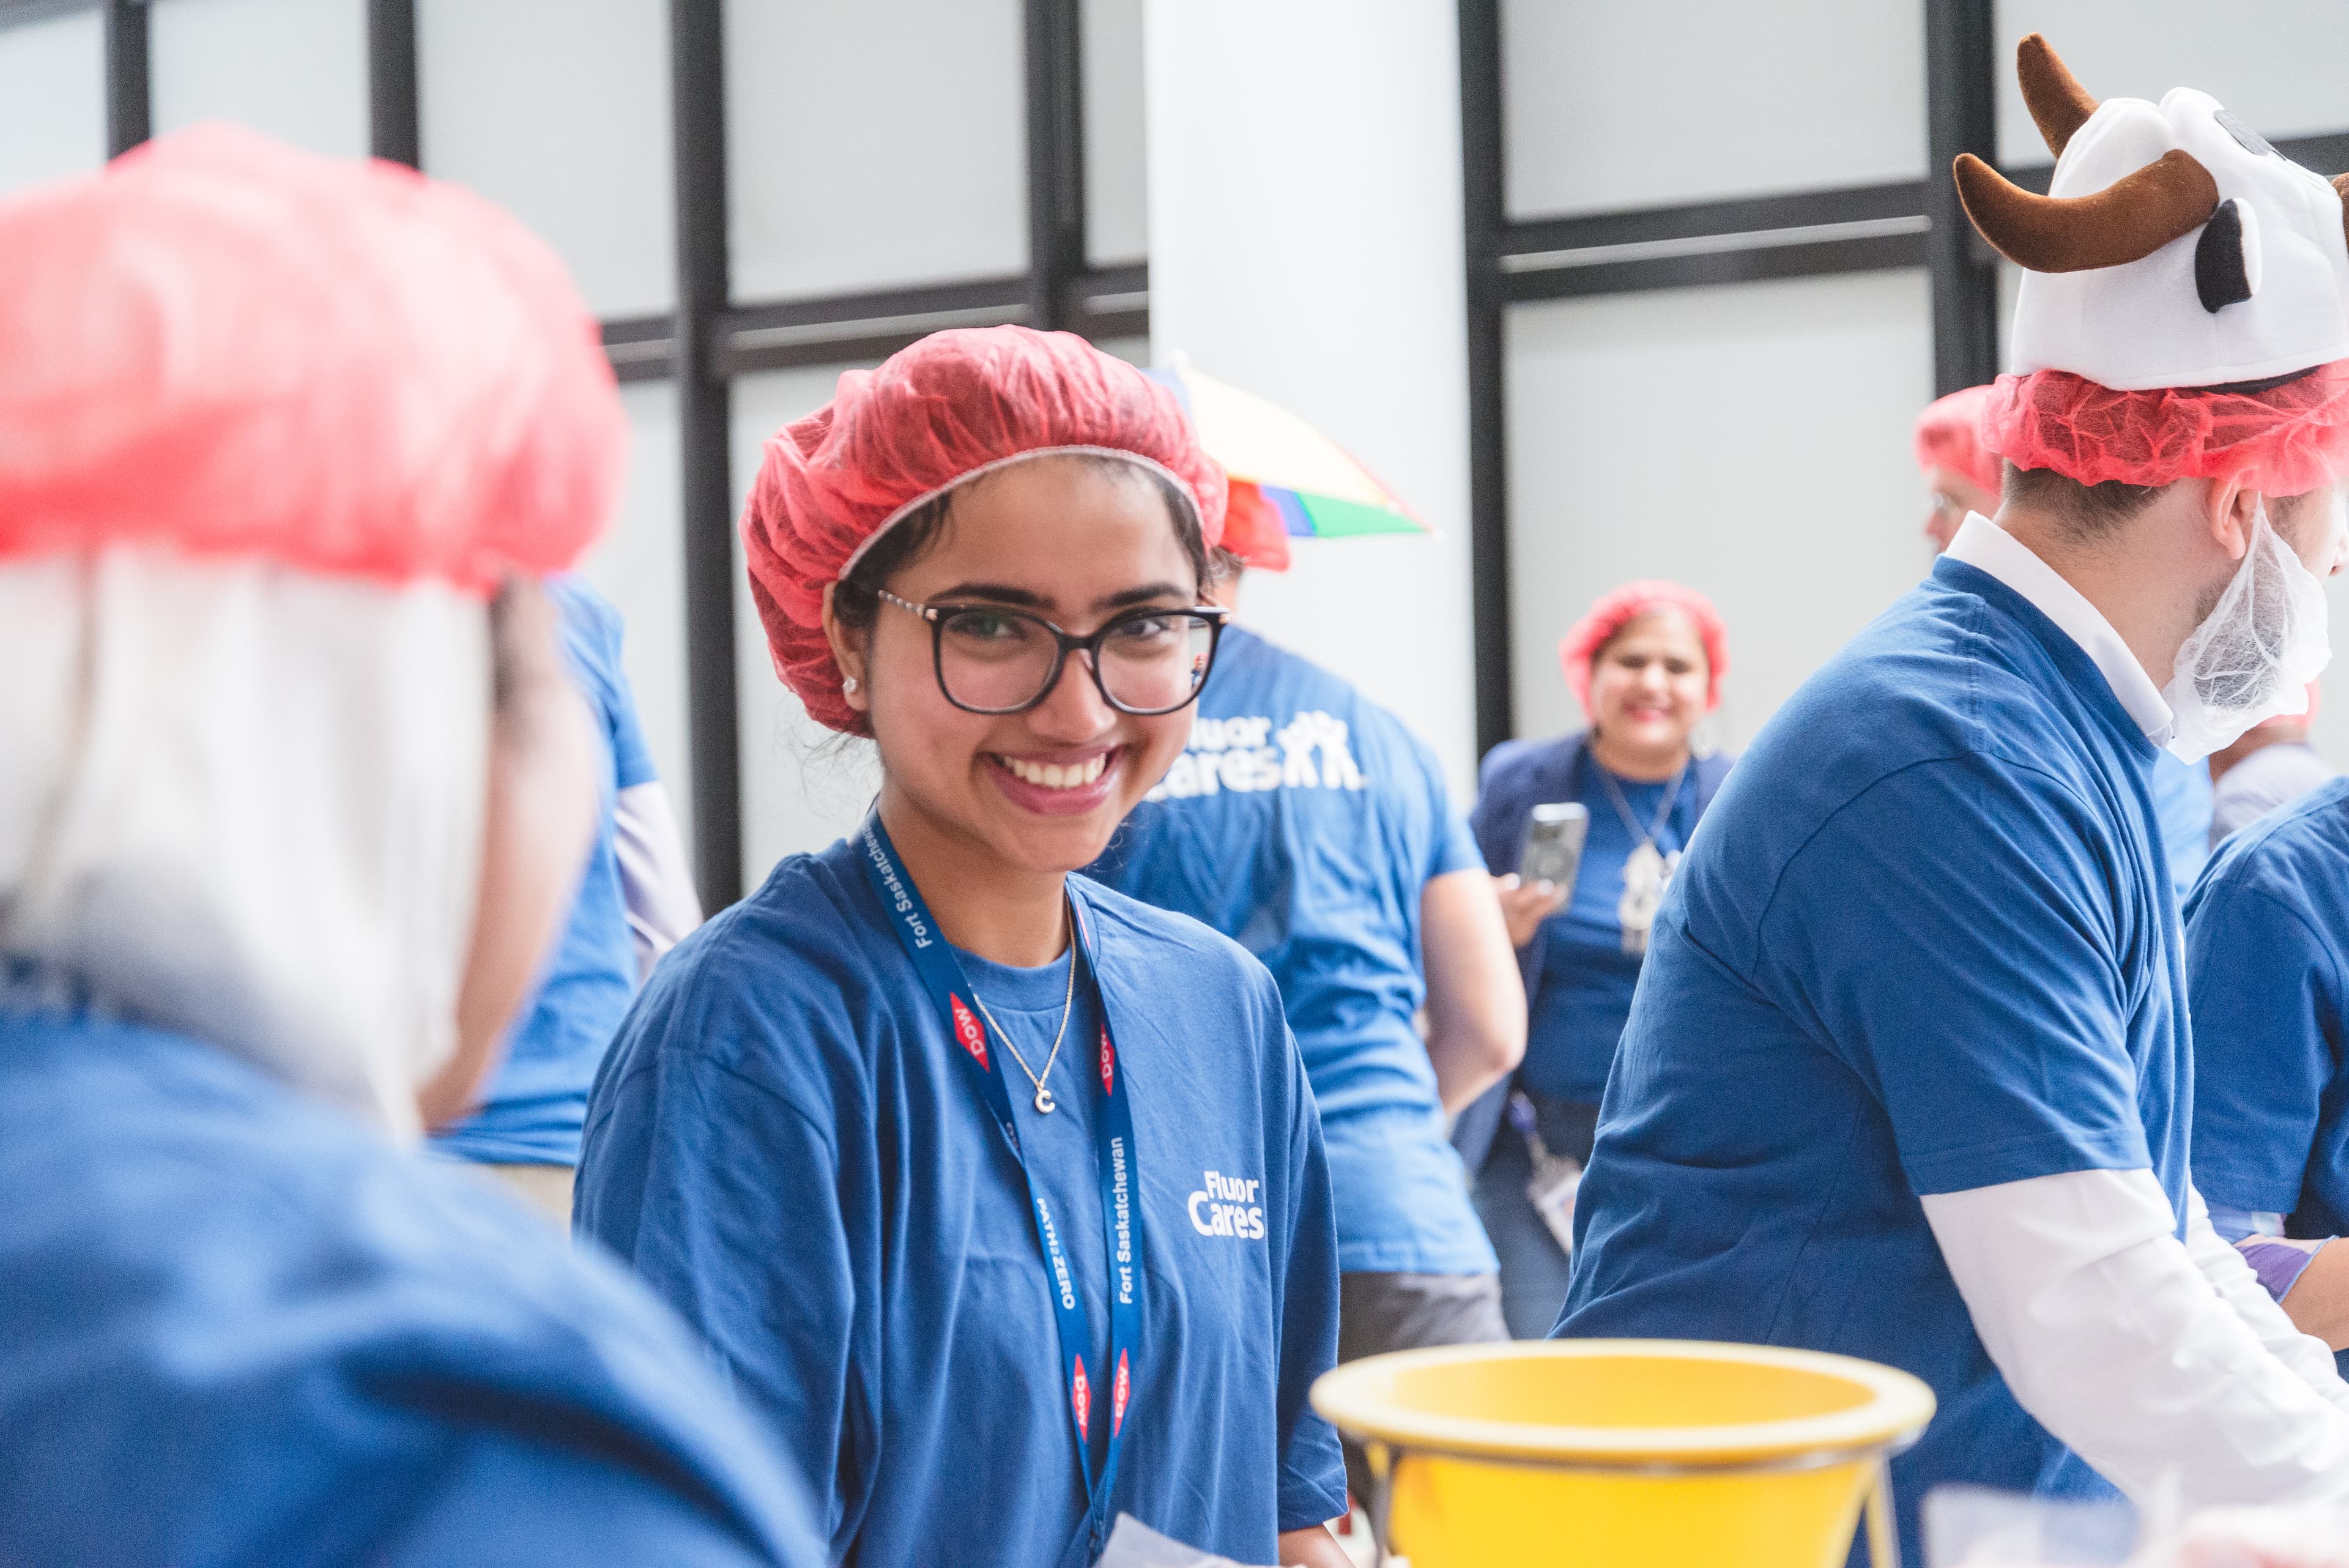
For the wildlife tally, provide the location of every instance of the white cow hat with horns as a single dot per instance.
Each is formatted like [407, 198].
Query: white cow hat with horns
[2175, 248]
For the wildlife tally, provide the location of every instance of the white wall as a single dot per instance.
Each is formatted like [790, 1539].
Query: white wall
[1751, 440]
[52, 99]
[294, 69]
[1664, 101]
[1306, 245]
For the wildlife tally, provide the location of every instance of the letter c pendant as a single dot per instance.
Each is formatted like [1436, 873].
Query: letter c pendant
[1043, 1099]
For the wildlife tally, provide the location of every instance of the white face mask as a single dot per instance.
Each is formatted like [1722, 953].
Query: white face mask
[2253, 656]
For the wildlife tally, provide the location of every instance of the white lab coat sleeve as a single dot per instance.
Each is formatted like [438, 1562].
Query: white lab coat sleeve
[2115, 1337]
[655, 882]
[2230, 1275]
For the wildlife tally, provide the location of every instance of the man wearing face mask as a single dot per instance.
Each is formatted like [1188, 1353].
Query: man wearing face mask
[1906, 1075]
[290, 807]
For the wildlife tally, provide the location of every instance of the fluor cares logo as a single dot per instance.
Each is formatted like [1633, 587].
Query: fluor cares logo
[1229, 1206]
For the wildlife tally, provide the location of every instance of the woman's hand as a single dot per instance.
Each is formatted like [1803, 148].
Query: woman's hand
[1525, 905]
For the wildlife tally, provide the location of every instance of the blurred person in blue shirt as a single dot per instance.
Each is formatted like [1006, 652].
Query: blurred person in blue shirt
[635, 899]
[2271, 766]
[290, 815]
[1305, 822]
[1646, 664]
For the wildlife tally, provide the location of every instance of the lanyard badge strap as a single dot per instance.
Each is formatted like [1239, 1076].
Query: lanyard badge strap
[950, 994]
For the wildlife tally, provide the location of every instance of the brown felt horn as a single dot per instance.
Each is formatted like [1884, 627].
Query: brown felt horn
[2126, 221]
[2059, 105]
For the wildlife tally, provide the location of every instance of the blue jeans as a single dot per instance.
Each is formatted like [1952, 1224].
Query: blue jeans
[1534, 1268]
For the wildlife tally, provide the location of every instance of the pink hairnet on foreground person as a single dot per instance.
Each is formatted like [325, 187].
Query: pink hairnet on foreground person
[291, 807]
[999, 1194]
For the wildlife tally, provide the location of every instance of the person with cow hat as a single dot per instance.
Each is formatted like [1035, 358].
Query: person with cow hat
[1305, 822]
[1908, 1074]
[1000, 1195]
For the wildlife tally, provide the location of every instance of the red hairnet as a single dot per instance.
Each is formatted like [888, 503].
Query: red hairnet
[951, 407]
[1627, 603]
[2281, 441]
[1949, 435]
[226, 346]
[1253, 529]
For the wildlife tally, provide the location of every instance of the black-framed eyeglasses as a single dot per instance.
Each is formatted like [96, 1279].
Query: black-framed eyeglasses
[994, 660]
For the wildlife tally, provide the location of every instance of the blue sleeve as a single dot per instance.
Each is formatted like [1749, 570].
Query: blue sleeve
[754, 1254]
[2266, 989]
[1312, 1471]
[632, 759]
[1948, 935]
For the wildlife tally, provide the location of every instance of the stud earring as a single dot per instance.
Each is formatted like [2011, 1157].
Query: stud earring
[849, 686]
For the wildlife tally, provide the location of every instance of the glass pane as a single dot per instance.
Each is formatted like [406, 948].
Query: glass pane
[2278, 66]
[875, 144]
[52, 99]
[1612, 106]
[1117, 217]
[1751, 440]
[559, 111]
[639, 566]
[801, 788]
[295, 69]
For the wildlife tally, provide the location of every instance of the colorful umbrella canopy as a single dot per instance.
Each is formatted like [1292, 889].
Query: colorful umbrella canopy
[1318, 491]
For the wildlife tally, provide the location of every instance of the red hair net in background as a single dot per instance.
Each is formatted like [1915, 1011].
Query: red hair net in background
[947, 409]
[1253, 529]
[2283, 440]
[1949, 435]
[1627, 603]
[237, 349]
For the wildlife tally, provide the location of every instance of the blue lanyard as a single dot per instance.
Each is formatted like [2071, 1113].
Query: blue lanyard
[942, 976]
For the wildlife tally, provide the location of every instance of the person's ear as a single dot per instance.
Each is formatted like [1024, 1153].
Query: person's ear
[848, 652]
[2229, 510]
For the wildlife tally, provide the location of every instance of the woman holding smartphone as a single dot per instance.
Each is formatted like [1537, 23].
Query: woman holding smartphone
[1002, 1195]
[1646, 664]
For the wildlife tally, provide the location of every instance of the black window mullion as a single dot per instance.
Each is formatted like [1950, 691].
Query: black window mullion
[130, 92]
[1961, 115]
[1056, 160]
[1482, 203]
[393, 126]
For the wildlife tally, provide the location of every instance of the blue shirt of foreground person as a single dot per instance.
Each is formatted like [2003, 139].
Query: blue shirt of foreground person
[1907, 1075]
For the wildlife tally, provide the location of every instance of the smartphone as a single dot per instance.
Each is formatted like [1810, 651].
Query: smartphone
[1552, 850]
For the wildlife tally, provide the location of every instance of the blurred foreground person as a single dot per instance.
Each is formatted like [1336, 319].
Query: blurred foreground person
[1000, 1195]
[290, 810]
[1646, 664]
[2273, 765]
[636, 899]
[1962, 478]
[1908, 1076]
[1305, 822]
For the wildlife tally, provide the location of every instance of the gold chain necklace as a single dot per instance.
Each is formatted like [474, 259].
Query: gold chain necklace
[1044, 1101]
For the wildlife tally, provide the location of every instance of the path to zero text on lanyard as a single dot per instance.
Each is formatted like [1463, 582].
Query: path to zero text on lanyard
[950, 991]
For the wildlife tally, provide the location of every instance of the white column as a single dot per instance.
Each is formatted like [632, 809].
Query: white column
[1305, 244]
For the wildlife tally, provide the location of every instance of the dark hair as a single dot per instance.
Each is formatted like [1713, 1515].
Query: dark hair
[856, 601]
[2087, 511]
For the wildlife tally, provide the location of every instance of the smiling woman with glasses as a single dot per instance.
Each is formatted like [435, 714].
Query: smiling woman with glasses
[1000, 1195]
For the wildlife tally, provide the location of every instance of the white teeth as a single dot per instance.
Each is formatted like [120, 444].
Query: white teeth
[1053, 775]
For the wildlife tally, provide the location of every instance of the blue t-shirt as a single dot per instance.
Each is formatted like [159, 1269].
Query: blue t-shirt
[237, 1327]
[1303, 820]
[2181, 804]
[786, 1143]
[537, 1100]
[2263, 962]
[1576, 1014]
[1924, 944]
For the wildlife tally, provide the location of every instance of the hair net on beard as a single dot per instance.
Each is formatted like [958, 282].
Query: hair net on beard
[2254, 654]
[952, 407]
[1616, 610]
[2284, 440]
[1949, 435]
[245, 803]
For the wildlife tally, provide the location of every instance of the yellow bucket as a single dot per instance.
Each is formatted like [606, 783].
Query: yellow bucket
[1627, 1453]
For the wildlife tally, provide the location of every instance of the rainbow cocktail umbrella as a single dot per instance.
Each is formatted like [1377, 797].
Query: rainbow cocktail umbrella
[1319, 492]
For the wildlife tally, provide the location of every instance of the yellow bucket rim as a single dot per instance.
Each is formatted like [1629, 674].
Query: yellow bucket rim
[1357, 1399]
